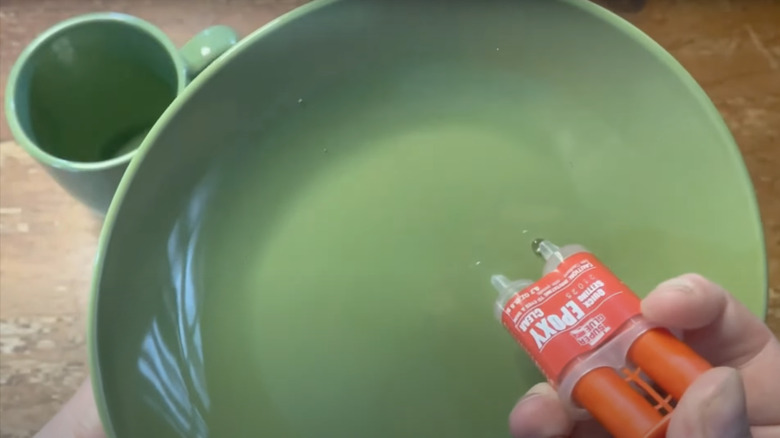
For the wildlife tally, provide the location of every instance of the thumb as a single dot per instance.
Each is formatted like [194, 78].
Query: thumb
[78, 418]
[713, 407]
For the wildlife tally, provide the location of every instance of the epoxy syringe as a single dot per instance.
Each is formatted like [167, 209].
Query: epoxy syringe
[584, 329]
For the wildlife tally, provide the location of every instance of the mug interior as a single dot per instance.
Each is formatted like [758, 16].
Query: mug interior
[91, 91]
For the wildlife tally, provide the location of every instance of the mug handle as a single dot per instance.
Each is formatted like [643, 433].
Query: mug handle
[205, 47]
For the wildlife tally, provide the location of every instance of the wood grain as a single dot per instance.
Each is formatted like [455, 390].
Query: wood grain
[47, 240]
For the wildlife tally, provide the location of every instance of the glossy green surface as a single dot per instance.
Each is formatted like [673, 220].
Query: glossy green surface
[82, 97]
[317, 263]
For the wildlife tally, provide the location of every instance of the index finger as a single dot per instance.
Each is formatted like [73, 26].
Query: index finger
[715, 324]
[725, 332]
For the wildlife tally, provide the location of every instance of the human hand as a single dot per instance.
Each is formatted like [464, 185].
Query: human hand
[78, 418]
[738, 398]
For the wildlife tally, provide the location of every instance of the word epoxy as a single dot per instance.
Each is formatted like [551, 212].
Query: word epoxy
[584, 330]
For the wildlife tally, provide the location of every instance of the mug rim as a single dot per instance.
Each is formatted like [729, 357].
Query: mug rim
[609, 18]
[20, 134]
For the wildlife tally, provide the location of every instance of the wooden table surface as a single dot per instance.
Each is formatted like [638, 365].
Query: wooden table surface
[48, 241]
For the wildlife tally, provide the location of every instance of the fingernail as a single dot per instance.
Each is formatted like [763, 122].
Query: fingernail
[677, 285]
[537, 390]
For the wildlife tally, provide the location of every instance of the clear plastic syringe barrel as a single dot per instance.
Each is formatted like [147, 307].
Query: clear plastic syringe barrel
[593, 381]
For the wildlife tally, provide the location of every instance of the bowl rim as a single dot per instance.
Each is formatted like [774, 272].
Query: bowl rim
[606, 16]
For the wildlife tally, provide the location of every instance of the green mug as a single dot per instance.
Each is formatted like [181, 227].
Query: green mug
[83, 95]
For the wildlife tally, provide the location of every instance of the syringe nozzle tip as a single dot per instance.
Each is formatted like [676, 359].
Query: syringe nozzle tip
[546, 249]
[536, 246]
[500, 283]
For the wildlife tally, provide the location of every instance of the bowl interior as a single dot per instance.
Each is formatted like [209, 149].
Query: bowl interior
[305, 246]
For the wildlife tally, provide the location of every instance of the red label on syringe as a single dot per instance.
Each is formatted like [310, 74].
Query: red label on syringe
[568, 312]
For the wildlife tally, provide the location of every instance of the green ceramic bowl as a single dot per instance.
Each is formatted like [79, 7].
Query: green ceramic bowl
[304, 244]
